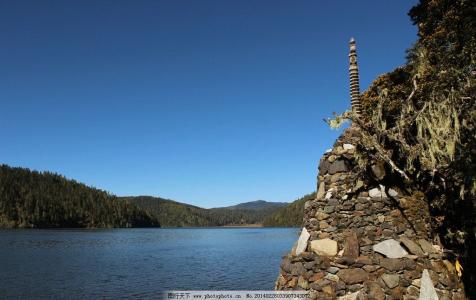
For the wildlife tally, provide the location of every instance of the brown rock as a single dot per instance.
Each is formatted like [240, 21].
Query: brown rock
[375, 291]
[286, 265]
[315, 286]
[363, 260]
[308, 256]
[316, 276]
[392, 264]
[321, 215]
[309, 265]
[378, 170]
[328, 289]
[397, 293]
[323, 225]
[352, 276]
[410, 275]
[370, 268]
[282, 280]
[409, 263]
[413, 291]
[395, 213]
[297, 268]
[345, 260]
[293, 282]
[351, 248]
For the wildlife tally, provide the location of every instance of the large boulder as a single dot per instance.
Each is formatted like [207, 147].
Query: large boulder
[325, 247]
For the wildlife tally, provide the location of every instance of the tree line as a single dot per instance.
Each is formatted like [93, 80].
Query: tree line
[31, 199]
[176, 214]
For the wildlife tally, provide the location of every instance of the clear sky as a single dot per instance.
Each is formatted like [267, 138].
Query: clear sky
[206, 102]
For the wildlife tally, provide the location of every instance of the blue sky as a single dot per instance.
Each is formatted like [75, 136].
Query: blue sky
[206, 102]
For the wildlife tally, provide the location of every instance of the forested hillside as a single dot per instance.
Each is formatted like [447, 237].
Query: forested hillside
[290, 215]
[176, 214]
[30, 199]
[171, 213]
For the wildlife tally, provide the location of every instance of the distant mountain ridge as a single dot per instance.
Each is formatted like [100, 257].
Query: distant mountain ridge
[176, 214]
[256, 205]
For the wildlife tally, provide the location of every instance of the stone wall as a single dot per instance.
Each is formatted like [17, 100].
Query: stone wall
[362, 240]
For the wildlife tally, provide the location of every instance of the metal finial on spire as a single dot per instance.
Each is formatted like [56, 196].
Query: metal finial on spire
[354, 78]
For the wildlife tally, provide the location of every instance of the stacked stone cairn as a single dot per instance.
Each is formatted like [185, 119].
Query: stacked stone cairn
[354, 78]
[362, 240]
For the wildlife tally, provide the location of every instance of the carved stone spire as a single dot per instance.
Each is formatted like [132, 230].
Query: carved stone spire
[354, 78]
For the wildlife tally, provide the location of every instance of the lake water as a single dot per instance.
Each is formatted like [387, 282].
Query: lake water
[139, 263]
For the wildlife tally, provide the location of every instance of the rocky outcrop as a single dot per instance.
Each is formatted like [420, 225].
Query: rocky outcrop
[366, 240]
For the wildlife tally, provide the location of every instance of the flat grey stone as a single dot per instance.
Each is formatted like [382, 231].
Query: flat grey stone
[324, 167]
[427, 290]
[302, 241]
[337, 167]
[390, 248]
[427, 246]
[392, 193]
[378, 192]
[391, 280]
[375, 193]
[332, 277]
[413, 247]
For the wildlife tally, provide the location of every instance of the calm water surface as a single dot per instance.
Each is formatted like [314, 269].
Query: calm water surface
[138, 263]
